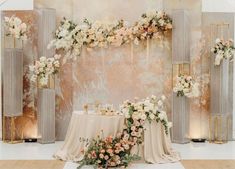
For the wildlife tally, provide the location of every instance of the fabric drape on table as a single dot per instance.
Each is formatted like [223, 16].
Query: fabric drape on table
[156, 147]
[87, 127]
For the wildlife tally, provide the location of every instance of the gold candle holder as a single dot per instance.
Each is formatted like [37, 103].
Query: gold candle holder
[85, 107]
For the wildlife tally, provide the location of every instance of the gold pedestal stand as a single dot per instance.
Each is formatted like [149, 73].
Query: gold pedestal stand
[12, 139]
[216, 129]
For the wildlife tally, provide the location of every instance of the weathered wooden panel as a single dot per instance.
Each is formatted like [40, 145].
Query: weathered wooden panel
[180, 111]
[46, 115]
[180, 37]
[13, 82]
[47, 27]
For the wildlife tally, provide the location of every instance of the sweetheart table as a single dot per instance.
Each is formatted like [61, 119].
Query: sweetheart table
[155, 149]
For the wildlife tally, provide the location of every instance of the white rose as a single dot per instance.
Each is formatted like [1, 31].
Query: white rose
[162, 115]
[136, 41]
[33, 78]
[163, 97]
[217, 60]
[151, 116]
[42, 59]
[31, 68]
[40, 69]
[160, 103]
[143, 116]
[159, 14]
[169, 124]
[217, 40]
[186, 84]
[146, 108]
[154, 97]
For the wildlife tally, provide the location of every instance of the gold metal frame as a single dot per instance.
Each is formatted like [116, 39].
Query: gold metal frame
[220, 30]
[216, 123]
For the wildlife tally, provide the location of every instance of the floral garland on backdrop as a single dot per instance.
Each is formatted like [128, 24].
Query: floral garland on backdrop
[44, 68]
[116, 151]
[70, 37]
[223, 50]
[186, 86]
[15, 28]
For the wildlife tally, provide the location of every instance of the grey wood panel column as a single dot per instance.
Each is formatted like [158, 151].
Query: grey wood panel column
[46, 28]
[46, 102]
[1, 61]
[180, 130]
[13, 82]
[222, 80]
[46, 115]
[180, 55]
[180, 37]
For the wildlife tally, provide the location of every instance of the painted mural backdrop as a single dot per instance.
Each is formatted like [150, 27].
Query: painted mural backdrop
[115, 74]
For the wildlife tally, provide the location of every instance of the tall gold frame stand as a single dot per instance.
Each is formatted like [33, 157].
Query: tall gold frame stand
[216, 120]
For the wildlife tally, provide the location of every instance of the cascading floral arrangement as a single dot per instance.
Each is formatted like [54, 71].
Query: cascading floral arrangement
[116, 151]
[70, 37]
[43, 68]
[15, 28]
[223, 50]
[186, 86]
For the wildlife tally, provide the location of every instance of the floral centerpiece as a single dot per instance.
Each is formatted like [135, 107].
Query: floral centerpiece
[44, 68]
[223, 50]
[116, 151]
[15, 28]
[186, 86]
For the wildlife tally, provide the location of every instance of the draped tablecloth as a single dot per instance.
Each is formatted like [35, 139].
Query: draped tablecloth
[87, 126]
[156, 147]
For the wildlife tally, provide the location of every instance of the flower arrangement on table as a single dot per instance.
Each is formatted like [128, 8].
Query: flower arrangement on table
[15, 28]
[116, 151]
[70, 37]
[44, 68]
[223, 50]
[186, 86]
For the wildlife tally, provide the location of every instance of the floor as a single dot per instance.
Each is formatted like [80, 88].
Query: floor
[32, 164]
[190, 154]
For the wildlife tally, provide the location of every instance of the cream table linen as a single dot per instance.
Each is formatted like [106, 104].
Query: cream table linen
[156, 147]
[88, 127]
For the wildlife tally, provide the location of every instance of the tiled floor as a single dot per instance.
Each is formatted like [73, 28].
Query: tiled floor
[36, 151]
